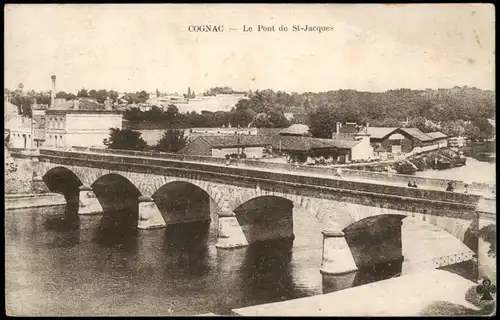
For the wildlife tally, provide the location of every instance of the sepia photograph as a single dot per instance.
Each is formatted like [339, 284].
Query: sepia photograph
[250, 160]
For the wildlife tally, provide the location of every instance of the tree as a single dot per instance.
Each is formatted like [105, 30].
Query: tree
[82, 93]
[153, 115]
[386, 122]
[172, 111]
[125, 139]
[172, 141]
[242, 117]
[113, 95]
[24, 103]
[485, 127]
[277, 119]
[262, 121]
[133, 115]
[472, 131]
[64, 95]
[322, 122]
[93, 93]
[142, 96]
[418, 123]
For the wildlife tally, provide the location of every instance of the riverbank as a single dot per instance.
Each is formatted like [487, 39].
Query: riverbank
[21, 191]
[438, 293]
[22, 201]
[414, 163]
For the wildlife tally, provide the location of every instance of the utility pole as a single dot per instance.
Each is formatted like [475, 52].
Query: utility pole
[238, 139]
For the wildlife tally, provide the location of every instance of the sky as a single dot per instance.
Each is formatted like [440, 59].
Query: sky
[148, 46]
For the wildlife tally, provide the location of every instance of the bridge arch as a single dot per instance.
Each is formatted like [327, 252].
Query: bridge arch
[266, 217]
[62, 180]
[383, 235]
[118, 196]
[184, 201]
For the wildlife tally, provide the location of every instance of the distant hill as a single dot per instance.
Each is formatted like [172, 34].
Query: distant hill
[440, 105]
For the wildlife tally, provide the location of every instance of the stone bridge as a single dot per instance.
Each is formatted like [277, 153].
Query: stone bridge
[362, 221]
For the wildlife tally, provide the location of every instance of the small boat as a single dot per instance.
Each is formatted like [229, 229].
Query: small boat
[443, 164]
[460, 162]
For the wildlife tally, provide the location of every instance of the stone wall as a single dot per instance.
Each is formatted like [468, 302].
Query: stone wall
[18, 177]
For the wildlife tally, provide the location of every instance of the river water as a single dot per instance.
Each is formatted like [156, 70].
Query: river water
[54, 269]
[473, 171]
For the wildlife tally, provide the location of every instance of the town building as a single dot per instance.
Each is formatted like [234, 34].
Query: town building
[39, 123]
[457, 142]
[299, 147]
[193, 133]
[10, 112]
[18, 129]
[78, 122]
[439, 138]
[220, 146]
[405, 140]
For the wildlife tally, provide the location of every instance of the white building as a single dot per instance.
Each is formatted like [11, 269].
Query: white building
[79, 126]
[18, 130]
[20, 133]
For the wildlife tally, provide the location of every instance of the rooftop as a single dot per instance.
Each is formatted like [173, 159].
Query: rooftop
[300, 143]
[296, 129]
[417, 134]
[437, 135]
[83, 104]
[380, 132]
[228, 141]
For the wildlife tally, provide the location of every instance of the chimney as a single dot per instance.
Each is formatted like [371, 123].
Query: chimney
[53, 92]
[337, 129]
[107, 104]
[76, 104]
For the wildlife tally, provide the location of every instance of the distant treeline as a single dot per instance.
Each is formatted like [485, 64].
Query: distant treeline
[222, 90]
[455, 111]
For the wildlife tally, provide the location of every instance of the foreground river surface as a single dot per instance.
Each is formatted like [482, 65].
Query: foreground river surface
[54, 270]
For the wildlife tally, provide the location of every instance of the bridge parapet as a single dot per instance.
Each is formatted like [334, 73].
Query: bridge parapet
[254, 163]
[248, 176]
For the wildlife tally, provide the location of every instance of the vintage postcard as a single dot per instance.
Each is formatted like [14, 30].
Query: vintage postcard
[250, 160]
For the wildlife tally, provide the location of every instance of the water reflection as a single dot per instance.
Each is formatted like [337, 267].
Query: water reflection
[113, 231]
[266, 263]
[186, 246]
[260, 273]
[379, 272]
[107, 266]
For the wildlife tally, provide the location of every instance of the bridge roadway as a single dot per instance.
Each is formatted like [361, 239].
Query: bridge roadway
[379, 178]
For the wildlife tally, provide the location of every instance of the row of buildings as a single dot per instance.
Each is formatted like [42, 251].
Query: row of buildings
[78, 122]
[84, 122]
[349, 143]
